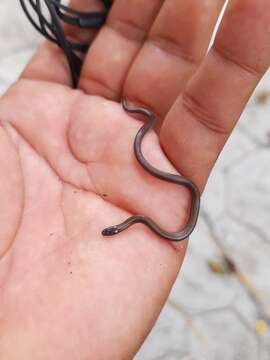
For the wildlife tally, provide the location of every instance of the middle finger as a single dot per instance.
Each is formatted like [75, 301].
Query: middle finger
[175, 46]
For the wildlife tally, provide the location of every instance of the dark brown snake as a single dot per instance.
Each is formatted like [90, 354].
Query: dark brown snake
[176, 179]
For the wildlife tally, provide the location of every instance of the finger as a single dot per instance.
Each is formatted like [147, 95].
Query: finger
[116, 46]
[175, 46]
[203, 117]
[49, 62]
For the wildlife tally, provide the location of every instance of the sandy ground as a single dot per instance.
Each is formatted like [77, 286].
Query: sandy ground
[212, 313]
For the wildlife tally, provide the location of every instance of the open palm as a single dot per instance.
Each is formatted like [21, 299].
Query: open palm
[68, 171]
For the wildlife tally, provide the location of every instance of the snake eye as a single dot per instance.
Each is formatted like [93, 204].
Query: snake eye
[110, 231]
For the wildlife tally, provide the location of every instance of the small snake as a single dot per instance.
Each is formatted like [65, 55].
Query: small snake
[176, 179]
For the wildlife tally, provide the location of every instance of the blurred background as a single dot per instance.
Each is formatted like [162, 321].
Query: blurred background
[219, 308]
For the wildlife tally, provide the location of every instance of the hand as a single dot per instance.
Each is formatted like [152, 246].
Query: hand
[68, 171]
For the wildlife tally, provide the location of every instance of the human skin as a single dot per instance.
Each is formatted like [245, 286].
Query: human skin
[68, 170]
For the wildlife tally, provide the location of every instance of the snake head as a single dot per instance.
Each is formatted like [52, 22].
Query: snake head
[110, 231]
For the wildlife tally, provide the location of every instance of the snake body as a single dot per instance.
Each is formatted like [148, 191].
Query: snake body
[176, 179]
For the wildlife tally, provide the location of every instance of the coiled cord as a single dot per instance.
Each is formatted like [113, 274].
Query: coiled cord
[51, 27]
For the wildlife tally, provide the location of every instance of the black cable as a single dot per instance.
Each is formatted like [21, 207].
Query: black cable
[52, 27]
